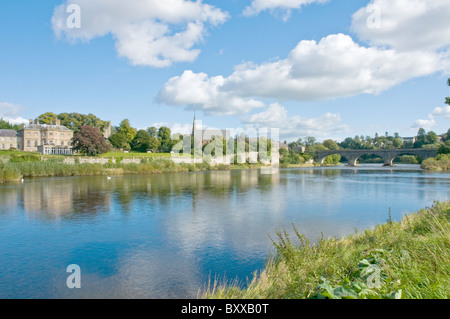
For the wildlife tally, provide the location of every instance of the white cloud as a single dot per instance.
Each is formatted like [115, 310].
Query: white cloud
[10, 112]
[199, 91]
[332, 68]
[442, 111]
[431, 121]
[257, 6]
[153, 33]
[276, 116]
[405, 25]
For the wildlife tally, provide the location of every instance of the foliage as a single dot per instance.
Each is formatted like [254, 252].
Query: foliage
[18, 158]
[143, 142]
[90, 141]
[126, 129]
[119, 141]
[165, 139]
[444, 148]
[75, 121]
[47, 118]
[441, 162]
[4, 125]
[408, 259]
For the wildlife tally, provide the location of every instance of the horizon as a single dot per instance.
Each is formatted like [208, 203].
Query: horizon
[325, 69]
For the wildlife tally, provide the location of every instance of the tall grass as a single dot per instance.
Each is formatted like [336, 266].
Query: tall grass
[441, 162]
[411, 259]
[16, 169]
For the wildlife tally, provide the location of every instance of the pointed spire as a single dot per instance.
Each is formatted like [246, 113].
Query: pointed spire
[194, 125]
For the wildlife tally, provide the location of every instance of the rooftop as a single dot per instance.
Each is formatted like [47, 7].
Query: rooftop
[8, 133]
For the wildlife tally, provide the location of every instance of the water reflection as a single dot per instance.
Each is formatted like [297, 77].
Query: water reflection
[162, 236]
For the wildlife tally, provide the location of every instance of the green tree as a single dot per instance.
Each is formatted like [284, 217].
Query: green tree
[126, 129]
[48, 118]
[444, 148]
[75, 121]
[90, 141]
[152, 131]
[165, 139]
[330, 144]
[143, 142]
[120, 141]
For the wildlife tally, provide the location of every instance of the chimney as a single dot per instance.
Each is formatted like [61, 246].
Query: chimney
[31, 121]
[58, 122]
[36, 121]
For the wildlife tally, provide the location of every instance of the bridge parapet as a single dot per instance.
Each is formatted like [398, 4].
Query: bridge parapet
[387, 155]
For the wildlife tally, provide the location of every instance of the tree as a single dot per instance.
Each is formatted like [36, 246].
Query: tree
[165, 139]
[143, 142]
[120, 141]
[330, 144]
[47, 118]
[90, 141]
[444, 148]
[126, 129]
[152, 131]
[75, 121]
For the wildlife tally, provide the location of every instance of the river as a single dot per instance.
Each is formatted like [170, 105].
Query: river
[165, 236]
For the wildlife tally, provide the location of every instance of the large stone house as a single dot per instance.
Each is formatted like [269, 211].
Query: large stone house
[45, 139]
[8, 139]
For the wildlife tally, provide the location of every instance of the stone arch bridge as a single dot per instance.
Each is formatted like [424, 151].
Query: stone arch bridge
[387, 155]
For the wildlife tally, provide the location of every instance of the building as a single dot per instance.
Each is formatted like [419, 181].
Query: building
[45, 139]
[209, 134]
[8, 140]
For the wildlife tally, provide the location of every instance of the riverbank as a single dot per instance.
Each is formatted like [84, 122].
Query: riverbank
[16, 171]
[440, 163]
[409, 259]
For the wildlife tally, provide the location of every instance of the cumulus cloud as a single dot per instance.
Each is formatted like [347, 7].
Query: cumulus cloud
[276, 116]
[10, 112]
[155, 33]
[257, 6]
[198, 90]
[405, 25]
[431, 121]
[334, 67]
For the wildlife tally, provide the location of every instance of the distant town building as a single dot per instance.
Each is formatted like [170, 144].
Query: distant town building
[408, 139]
[8, 139]
[208, 135]
[46, 139]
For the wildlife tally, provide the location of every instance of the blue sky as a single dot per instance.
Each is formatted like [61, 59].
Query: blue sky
[329, 69]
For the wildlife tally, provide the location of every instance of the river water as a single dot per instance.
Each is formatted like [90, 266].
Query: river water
[165, 236]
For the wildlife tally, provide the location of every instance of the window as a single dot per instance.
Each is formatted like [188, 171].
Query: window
[62, 143]
[28, 143]
[28, 133]
[35, 134]
[10, 146]
[35, 143]
[3, 146]
[3, 138]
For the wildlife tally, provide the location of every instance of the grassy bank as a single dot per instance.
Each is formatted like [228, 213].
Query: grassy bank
[440, 163]
[408, 259]
[14, 171]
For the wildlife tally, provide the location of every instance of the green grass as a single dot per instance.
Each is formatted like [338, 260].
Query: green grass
[116, 154]
[440, 163]
[32, 166]
[409, 259]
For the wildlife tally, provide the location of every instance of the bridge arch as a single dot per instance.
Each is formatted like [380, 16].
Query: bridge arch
[387, 155]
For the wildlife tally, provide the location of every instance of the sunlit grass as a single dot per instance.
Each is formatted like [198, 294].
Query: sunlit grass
[413, 257]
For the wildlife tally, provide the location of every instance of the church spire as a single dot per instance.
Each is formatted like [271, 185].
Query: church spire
[194, 125]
